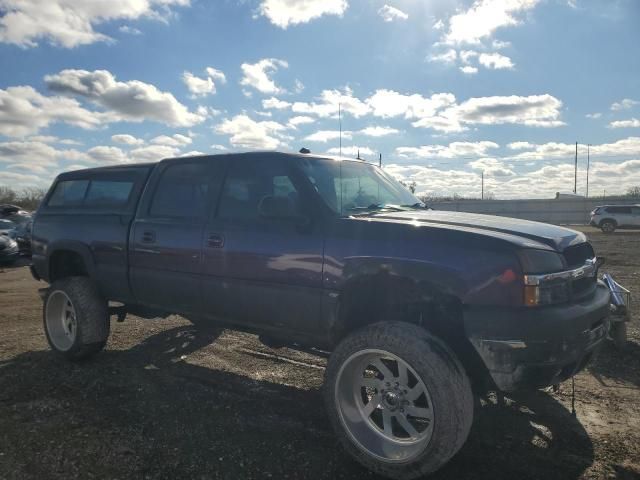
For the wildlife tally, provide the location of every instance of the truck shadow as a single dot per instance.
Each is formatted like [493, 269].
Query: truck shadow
[614, 366]
[148, 412]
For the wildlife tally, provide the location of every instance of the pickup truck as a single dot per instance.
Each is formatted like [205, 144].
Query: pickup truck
[419, 308]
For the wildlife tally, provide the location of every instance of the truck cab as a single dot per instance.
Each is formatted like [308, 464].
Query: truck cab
[418, 307]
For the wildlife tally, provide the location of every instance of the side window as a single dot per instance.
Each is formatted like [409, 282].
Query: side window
[635, 211]
[619, 210]
[254, 188]
[182, 192]
[68, 193]
[104, 193]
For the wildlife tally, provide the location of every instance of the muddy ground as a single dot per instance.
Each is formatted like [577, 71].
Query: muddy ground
[166, 400]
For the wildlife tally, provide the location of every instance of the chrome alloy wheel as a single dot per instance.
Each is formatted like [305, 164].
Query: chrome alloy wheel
[384, 405]
[62, 324]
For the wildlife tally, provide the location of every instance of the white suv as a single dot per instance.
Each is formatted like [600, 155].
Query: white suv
[610, 217]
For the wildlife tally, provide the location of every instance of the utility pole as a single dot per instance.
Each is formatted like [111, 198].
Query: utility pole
[575, 181]
[588, 163]
[340, 122]
[482, 194]
[380, 161]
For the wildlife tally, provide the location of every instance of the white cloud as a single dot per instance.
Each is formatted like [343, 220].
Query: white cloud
[441, 112]
[283, 13]
[624, 147]
[24, 111]
[29, 153]
[493, 167]
[330, 101]
[483, 18]
[453, 150]
[256, 75]
[593, 116]
[294, 122]
[53, 139]
[389, 14]
[247, 133]
[495, 61]
[631, 123]
[448, 56]
[176, 140]
[126, 139]
[533, 110]
[203, 86]
[352, 151]
[624, 104]
[389, 103]
[326, 135]
[378, 131]
[439, 25]
[217, 146]
[104, 154]
[298, 86]
[498, 44]
[134, 100]
[469, 70]
[70, 23]
[275, 103]
[129, 30]
[467, 55]
[153, 153]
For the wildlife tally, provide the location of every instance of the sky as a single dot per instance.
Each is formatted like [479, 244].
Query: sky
[444, 90]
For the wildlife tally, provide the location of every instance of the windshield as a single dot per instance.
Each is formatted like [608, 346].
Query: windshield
[351, 187]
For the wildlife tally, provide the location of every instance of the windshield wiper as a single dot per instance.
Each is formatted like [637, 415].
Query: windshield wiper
[418, 205]
[376, 207]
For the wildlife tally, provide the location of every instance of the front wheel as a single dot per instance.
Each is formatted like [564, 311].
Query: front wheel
[76, 318]
[398, 399]
[607, 227]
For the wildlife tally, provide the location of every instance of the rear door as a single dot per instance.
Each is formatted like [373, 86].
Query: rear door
[622, 215]
[263, 250]
[166, 239]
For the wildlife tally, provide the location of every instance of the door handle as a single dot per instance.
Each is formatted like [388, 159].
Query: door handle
[148, 237]
[215, 240]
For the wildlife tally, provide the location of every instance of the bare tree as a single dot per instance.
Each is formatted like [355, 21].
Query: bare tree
[7, 195]
[411, 186]
[633, 192]
[28, 198]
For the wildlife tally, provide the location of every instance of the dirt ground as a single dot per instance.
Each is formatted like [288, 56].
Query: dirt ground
[166, 400]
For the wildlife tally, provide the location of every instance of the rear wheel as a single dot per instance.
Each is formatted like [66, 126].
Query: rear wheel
[608, 226]
[398, 399]
[76, 318]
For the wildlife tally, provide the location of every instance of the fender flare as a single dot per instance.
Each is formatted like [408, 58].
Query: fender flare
[75, 246]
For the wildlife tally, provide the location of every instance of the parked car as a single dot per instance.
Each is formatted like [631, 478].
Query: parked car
[610, 217]
[6, 226]
[6, 209]
[416, 306]
[22, 235]
[8, 250]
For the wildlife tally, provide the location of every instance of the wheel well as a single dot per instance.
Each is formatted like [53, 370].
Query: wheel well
[376, 299]
[66, 263]
[604, 220]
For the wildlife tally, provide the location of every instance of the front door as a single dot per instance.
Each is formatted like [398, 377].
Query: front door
[166, 238]
[263, 249]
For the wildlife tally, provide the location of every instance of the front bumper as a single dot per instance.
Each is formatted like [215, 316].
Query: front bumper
[525, 348]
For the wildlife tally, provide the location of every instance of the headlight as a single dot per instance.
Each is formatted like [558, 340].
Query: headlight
[544, 279]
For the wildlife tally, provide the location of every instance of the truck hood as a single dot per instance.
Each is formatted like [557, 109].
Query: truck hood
[538, 234]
